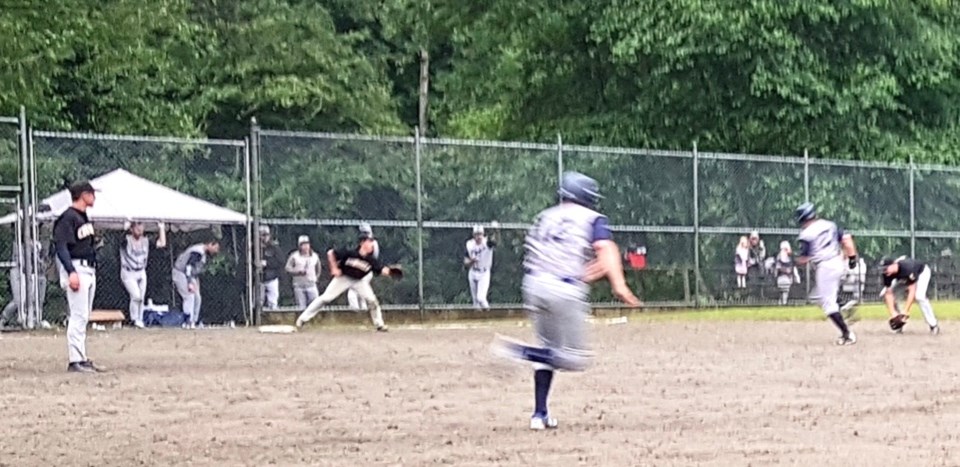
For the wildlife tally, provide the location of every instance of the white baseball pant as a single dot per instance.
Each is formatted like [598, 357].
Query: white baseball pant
[479, 287]
[829, 275]
[923, 283]
[80, 302]
[354, 300]
[337, 287]
[136, 284]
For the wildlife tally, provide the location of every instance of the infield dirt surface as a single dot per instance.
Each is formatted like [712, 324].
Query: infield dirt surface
[659, 393]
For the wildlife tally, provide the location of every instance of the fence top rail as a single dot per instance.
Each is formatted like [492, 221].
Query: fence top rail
[936, 168]
[13, 120]
[626, 151]
[488, 144]
[337, 136]
[725, 156]
[139, 139]
[860, 164]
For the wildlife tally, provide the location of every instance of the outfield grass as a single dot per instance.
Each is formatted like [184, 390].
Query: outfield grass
[948, 310]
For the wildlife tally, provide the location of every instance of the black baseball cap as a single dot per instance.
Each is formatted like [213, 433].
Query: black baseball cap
[365, 236]
[79, 188]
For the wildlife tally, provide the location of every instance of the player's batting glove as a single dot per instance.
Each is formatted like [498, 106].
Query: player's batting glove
[852, 262]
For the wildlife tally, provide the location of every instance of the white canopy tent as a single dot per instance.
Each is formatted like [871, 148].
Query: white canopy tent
[124, 196]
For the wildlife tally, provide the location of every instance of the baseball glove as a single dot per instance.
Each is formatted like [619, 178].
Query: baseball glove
[898, 322]
[396, 271]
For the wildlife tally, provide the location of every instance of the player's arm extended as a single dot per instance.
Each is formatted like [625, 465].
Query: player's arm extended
[890, 299]
[911, 297]
[849, 248]
[608, 264]
[332, 261]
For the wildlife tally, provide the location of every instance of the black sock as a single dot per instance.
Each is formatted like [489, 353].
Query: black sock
[541, 381]
[838, 321]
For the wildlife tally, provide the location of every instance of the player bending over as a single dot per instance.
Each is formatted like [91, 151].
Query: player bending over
[826, 245]
[916, 276]
[568, 247]
[349, 267]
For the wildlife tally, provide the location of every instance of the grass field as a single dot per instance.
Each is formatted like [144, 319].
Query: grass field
[731, 387]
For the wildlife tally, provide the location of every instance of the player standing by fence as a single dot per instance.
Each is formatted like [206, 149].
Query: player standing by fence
[134, 253]
[479, 258]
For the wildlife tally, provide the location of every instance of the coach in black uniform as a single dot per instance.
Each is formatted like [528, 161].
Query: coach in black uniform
[73, 237]
[916, 276]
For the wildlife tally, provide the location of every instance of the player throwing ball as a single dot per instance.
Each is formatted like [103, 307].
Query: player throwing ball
[568, 247]
[826, 246]
[916, 276]
[349, 267]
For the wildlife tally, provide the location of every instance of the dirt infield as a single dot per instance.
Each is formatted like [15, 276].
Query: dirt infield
[680, 393]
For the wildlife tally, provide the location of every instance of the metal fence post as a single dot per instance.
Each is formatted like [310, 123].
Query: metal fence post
[416, 149]
[559, 159]
[257, 215]
[696, 226]
[250, 311]
[806, 199]
[913, 212]
[28, 259]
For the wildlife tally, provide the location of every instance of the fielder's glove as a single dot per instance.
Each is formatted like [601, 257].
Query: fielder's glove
[396, 271]
[898, 322]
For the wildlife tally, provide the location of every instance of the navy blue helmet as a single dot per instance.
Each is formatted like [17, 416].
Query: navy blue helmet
[579, 188]
[805, 212]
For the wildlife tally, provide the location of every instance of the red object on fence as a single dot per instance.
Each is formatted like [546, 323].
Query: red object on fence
[637, 258]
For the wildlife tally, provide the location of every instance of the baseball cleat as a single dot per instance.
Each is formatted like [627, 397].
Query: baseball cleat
[89, 364]
[935, 330]
[507, 348]
[299, 323]
[138, 324]
[79, 367]
[383, 328]
[849, 339]
[538, 423]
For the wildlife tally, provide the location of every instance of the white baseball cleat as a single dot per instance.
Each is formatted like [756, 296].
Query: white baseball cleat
[542, 423]
[849, 339]
[935, 330]
[138, 324]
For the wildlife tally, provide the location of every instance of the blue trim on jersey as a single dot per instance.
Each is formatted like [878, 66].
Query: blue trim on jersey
[601, 229]
[839, 234]
[804, 248]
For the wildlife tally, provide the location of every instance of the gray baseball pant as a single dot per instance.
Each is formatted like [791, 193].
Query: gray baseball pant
[80, 303]
[305, 294]
[136, 284]
[10, 314]
[191, 300]
[559, 311]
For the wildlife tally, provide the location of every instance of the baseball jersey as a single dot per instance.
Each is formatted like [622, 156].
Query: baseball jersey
[785, 265]
[561, 241]
[820, 241]
[481, 253]
[134, 253]
[73, 236]
[352, 264]
[305, 269]
[191, 261]
[908, 272]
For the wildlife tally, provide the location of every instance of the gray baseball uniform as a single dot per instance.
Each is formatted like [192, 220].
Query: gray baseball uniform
[186, 272]
[820, 241]
[73, 235]
[134, 254]
[479, 276]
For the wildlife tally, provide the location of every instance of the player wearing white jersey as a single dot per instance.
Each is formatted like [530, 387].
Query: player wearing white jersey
[827, 247]
[479, 258]
[568, 247]
[134, 254]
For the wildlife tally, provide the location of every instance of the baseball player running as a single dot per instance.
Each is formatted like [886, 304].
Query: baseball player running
[479, 258]
[186, 277]
[916, 275]
[350, 269]
[825, 245]
[73, 236]
[569, 246]
[134, 253]
[353, 299]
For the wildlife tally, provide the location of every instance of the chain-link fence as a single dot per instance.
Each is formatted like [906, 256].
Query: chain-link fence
[210, 171]
[687, 211]
[12, 287]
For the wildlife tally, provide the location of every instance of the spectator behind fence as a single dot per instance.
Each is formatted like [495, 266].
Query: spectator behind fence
[186, 277]
[10, 318]
[134, 253]
[304, 266]
[787, 272]
[758, 252]
[271, 259]
[741, 262]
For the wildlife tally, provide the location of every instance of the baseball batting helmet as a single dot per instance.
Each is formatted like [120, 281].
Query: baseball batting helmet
[579, 188]
[805, 212]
